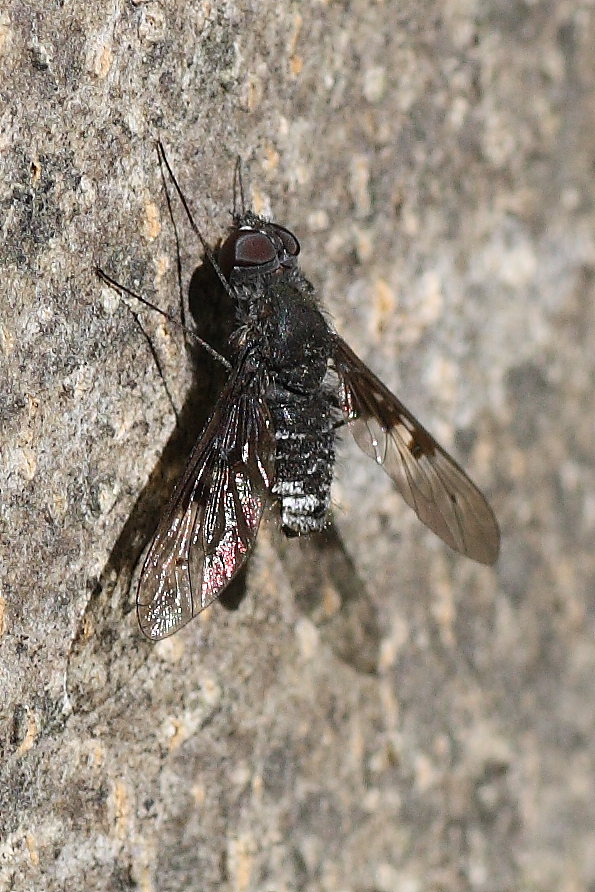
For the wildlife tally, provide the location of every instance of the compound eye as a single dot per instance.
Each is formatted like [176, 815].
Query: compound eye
[253, 249]
[290, 243]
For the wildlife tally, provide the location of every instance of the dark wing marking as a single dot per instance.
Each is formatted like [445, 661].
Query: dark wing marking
[430, 481]
[212, 519]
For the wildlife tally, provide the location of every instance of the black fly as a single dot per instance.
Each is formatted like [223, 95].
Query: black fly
[272, 436]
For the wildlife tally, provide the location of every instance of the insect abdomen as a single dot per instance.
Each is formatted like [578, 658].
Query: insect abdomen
[305, 457]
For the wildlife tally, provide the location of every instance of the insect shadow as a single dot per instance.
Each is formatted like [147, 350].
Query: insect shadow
[102, 638]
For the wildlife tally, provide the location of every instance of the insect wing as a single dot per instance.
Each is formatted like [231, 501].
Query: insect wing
[430, 481]
[212, 519]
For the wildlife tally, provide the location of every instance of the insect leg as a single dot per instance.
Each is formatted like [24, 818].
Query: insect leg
[157, 362]
[143, 300]
[340, 423]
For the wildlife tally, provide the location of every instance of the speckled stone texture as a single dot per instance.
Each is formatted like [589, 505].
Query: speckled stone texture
[378, 714]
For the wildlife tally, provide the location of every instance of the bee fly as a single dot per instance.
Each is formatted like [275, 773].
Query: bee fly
[293, 382]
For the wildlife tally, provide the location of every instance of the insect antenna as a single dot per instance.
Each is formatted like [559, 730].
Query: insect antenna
[143, 300]
[238, 190]
[207, 250]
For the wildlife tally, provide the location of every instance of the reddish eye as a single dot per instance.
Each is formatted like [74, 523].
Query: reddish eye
[290, 243]
[246, 248]
[253, 249]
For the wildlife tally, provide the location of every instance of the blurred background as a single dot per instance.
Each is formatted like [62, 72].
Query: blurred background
[377, 714]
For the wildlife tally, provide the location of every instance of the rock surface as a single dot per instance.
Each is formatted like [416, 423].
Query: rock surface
[409, 721]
